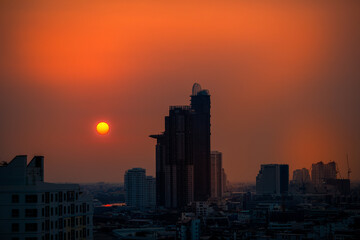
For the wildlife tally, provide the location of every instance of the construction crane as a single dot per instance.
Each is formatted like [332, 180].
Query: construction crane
[349, 170]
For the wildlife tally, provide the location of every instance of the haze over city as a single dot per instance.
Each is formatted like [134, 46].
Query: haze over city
[284, 81]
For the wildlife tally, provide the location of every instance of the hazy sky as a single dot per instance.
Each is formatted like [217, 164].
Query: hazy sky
[284, 80]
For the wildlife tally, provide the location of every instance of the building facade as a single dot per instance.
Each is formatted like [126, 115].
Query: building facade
[31, 209]
[273, 179]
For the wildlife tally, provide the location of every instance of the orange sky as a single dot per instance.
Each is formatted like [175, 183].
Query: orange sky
[284, 79]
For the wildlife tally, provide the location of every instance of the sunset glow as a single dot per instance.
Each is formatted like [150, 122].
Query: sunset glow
[283, 77]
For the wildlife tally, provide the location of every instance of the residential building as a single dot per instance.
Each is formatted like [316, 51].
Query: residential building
[33, 209]
[321, 172]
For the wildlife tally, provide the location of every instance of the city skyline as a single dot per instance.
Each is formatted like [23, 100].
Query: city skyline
[284, 85]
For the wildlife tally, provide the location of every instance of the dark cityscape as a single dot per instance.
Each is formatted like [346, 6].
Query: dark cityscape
[93, 145]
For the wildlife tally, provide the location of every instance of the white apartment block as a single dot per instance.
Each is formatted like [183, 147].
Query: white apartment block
[31, 209]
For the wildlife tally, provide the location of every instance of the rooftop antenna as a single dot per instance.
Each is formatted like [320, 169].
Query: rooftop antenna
[349, 170]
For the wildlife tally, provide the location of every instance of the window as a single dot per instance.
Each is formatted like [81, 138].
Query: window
[15, 198]
[60, 223]
[47, 197]
[30, 227]
[31, 238]
[15, 212]
[47, 211]
[30, 212]
[52, 211]
[31, 198]
[15, 227]
[52, 197]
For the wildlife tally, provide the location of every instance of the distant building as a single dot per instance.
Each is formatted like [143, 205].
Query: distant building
[301, 176]
[273, 179]
[33, 209]
[150, 191]
[140, 190]
[183, 153]
[216, 174]
[224, 181]
[321, 172]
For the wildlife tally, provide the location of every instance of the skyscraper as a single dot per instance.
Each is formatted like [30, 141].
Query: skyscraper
[216, 175]
[200, 105]
[183, 153]
[273, 179]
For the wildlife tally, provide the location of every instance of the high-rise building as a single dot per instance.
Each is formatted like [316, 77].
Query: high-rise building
[321, 172]
[301, 176]
[200, 128]
[33, 209]
[273, 179]
[216, 175]
[140, 189]
[183, 153]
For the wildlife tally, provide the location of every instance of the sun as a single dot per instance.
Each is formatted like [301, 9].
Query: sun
[102, 128]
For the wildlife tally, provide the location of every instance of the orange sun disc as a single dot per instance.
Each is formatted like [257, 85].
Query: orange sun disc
[102, 128]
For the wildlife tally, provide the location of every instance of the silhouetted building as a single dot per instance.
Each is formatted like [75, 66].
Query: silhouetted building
[216, 175]
[161, 157]
[183, 153]
[338, 186]
[224, 180]
[150, 191]
[33, 209]
[321, 172]
[273, 179]
[301, 176]
[140, 189]
[200, 124]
